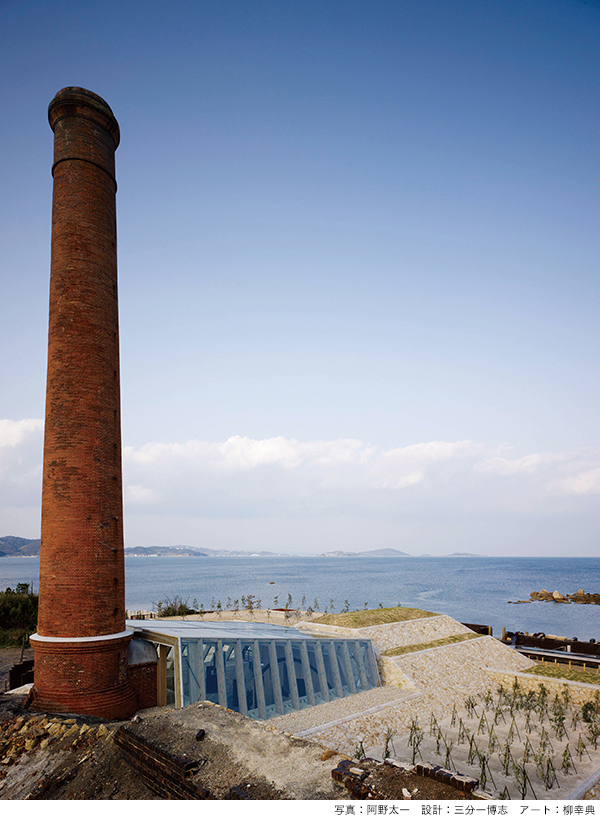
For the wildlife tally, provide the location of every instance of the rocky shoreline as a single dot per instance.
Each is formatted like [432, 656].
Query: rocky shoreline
[579, 597]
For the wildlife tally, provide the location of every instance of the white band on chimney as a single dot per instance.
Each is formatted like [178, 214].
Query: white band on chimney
[125, 634]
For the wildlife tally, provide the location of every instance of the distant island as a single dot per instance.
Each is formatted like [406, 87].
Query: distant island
[195, 552]
[11, 546]
[182, 551]
[159, 552]
[382, 553]
[14, 547]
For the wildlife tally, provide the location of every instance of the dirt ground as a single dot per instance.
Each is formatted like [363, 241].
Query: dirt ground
[45, 757]
[388, 783]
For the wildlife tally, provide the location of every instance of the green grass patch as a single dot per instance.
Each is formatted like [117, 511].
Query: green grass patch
[373, 617]
[417, 647]
[13, 637]
[18, 614]
[557, 670]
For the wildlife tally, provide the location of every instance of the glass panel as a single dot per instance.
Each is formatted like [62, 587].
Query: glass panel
[341, 662]
[191, 672]
[229, 659]
[358, 664]
[265, 662]
[329, 673]
[299, 673]
[185, 673]
[284, 677]
[283, 671]
[354, 666]
[248, 662]
[314, 671]
[171, 676]
[370, 663]
[210, 671]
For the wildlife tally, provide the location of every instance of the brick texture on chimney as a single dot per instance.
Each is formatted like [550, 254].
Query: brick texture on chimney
[82, 574]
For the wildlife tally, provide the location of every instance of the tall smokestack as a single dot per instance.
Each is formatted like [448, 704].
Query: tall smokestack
[81, 643]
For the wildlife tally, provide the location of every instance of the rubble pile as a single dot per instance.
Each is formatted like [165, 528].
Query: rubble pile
[22, 737]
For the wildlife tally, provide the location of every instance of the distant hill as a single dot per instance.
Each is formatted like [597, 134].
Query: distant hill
[182, 551]
[12, 545]
[174, 552]
[382, 553]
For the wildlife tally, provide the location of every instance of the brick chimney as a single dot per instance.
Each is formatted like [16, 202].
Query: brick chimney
[81, 644]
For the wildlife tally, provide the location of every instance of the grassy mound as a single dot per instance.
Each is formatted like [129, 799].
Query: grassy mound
[417, 647]
[557, 670]
[373, 617]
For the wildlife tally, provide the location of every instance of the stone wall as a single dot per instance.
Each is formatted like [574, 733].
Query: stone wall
[407, 633]
[580, 692]
[391, 675]
[450, 673]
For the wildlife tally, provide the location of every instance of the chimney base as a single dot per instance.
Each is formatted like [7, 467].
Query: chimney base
[86, 676]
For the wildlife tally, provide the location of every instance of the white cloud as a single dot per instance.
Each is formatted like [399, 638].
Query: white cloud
[158, 453]
[136, 494]
[395, 468]
[21, 449]
[586, 483]
[243, 453]
[404, 466]
[526, 464]
[15, 432]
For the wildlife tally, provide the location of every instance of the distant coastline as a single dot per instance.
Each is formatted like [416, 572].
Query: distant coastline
[181, 551]
[12, 546]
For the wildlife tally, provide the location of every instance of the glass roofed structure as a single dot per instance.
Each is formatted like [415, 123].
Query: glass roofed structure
[260, 670]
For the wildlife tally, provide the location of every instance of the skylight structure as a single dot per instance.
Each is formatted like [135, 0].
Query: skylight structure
[260, 670]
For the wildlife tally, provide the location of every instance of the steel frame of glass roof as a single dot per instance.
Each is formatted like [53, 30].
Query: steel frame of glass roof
[260, 670]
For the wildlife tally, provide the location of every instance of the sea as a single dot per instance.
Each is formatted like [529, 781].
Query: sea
[470, 589]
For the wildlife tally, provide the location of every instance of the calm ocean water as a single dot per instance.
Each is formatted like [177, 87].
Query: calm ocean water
[472, 590]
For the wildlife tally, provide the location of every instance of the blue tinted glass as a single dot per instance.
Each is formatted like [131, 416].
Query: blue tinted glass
[311, 651]
[267, 676]
[262, 670]
[210, 671]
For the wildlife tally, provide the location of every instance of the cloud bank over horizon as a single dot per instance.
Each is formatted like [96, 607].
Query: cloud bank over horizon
[288, 495]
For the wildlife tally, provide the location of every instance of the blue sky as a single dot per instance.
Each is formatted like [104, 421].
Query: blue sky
[358, 261]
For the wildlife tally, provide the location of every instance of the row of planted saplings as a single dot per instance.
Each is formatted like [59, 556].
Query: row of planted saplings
[175, 605]
[491, 727]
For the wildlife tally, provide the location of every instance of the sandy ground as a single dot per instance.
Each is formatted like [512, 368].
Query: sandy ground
[490, 746]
